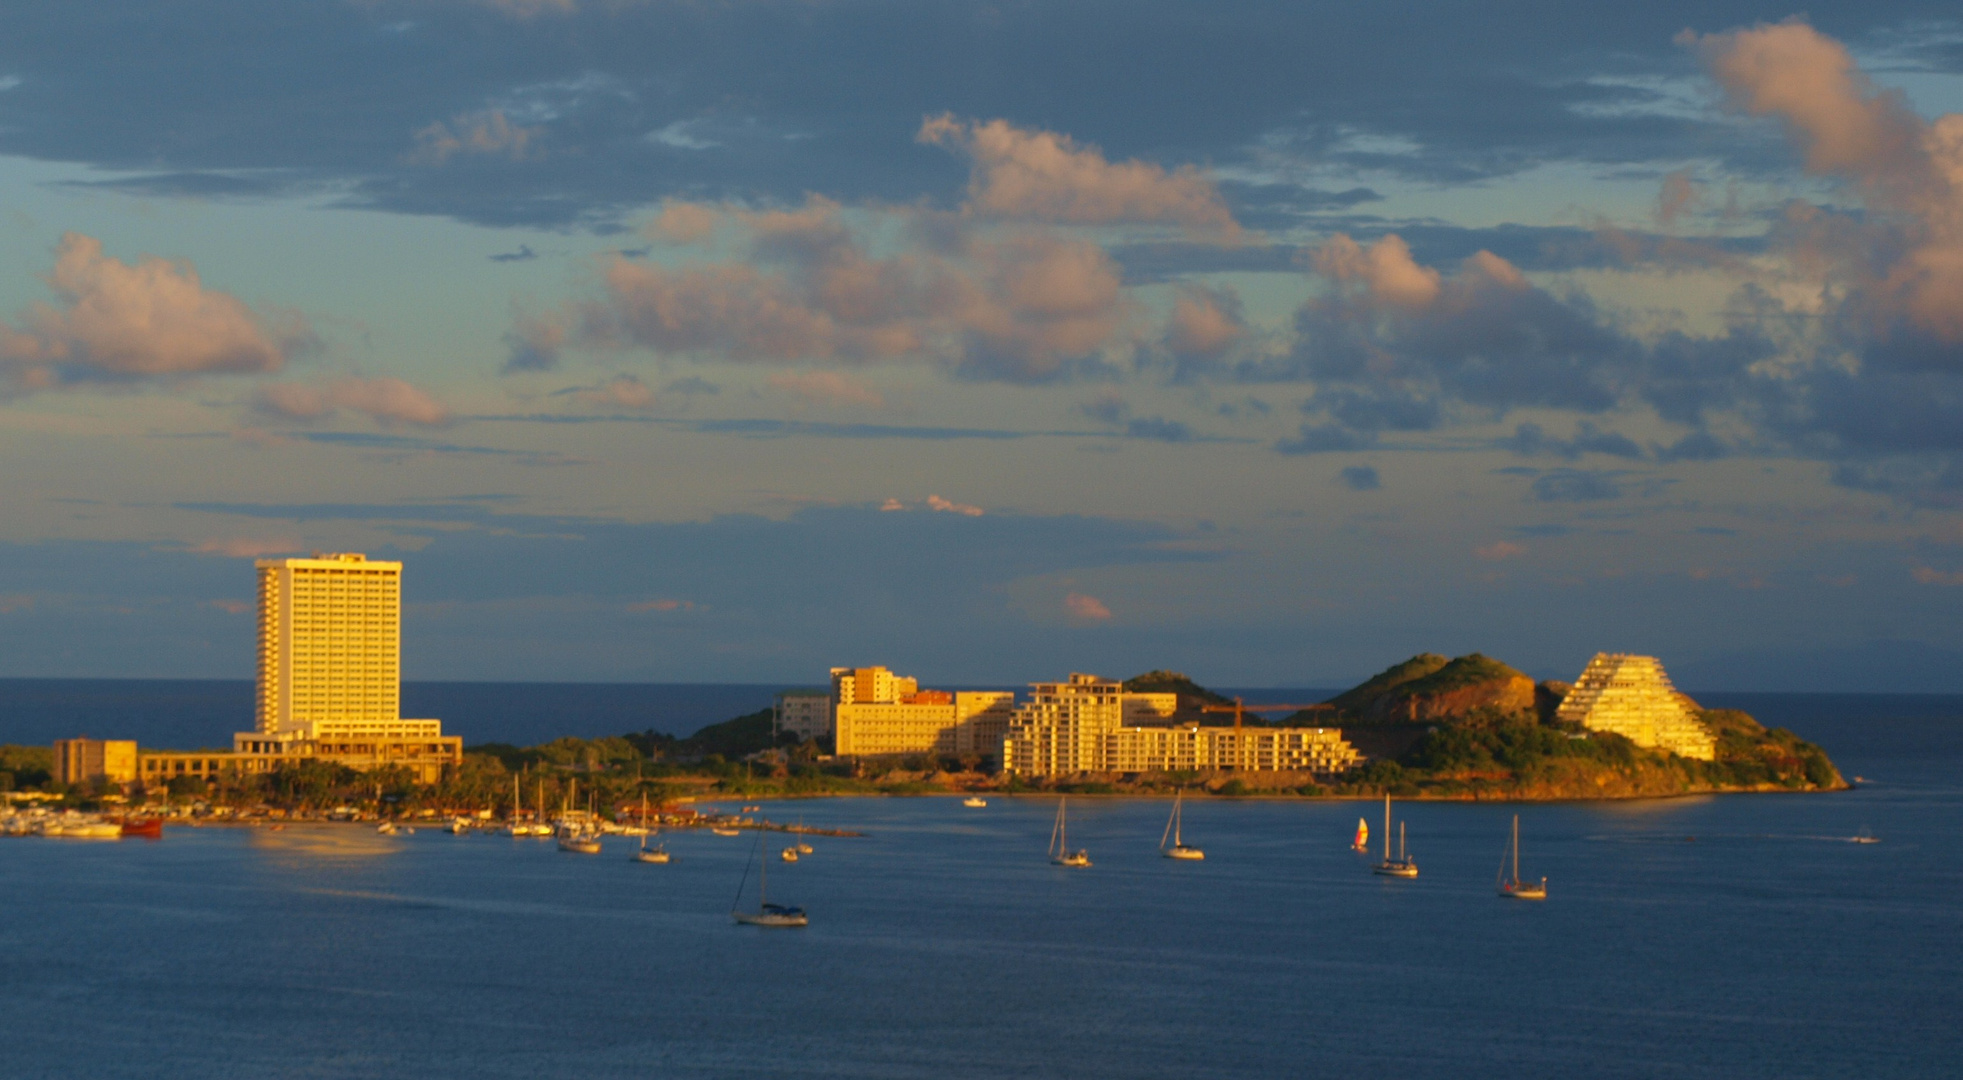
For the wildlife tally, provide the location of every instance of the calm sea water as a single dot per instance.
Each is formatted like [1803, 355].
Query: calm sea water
[1737, 936]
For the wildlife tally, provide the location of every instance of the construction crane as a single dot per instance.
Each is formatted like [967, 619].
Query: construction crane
[1239, 707]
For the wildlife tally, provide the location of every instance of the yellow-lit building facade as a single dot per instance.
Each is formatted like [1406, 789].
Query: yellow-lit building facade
[875, 712]
[1633, 697]
[78, 761]
[1089, 724]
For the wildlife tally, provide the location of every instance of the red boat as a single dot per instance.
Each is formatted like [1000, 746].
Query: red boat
[148, 827]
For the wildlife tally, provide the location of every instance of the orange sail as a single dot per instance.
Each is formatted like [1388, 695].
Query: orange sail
[1362, 841]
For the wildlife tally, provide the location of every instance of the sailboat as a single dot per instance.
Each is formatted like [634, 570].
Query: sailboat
[659, 853]
[767, 913]
[1179, 849]
[1402, 866]
[577, 838]
[1060, 852]
[1362, 841]
[1513, 887]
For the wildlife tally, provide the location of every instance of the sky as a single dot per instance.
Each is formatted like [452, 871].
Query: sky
[731, 340]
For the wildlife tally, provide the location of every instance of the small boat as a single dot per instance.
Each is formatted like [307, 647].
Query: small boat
[1512, 887]
[386, 828]
[751, 809]
[1403, 866]
[1060, 852]
[767, 913]
[149, 828]
[659, 852]
[1362, 841]
[1864, 837]
[579, 843]
[457, 826]
[1179, 849]
[721, 831]
[789, 854]
[974, 802]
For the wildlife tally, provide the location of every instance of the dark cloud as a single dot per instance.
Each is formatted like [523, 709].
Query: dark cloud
[523, 254]
[1159, 429]
[1326, 439]
[1360, 478]
[1530, 440]
[1577, 485]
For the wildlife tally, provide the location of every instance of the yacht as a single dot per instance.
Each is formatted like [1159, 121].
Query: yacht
[1060, 852]
[1512, 887]
[1403, 866]
[579, 842]
[767, 913]
[1179, 849]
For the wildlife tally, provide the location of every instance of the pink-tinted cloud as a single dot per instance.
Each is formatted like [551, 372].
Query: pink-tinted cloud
[489, 132]
[828, 388]
[808, 288]
[620, 392]
[1205, 322]
[150, 319]
[663, 604]
[249, 547]
[1089, 608]
[1678, 195]
[1908, 170]
[945, 506]
[1385, 270]
[1503, 549]
[1926, 575]
[386, 400]
[232, 607]
[891, 505]
[1045, 176]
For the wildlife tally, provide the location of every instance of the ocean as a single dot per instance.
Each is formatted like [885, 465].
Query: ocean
[1727, 936]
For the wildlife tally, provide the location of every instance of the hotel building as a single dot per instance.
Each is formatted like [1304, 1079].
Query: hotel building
[805, 712]
[876, 712]
[1090, 725]
[330, 678]
[79, 761]
[1631, 696]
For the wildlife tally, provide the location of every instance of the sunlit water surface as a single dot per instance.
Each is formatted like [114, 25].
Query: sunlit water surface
[1741, 936]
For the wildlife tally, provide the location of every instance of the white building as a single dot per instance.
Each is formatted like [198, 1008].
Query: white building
[805, 712]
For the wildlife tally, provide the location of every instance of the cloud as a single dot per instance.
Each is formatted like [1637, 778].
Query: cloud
[1021, 306]
[1677, 196]
[151, 319]
[621, 392]
[1327, 439]
[1205, 324]
[1029, 175]
[1360, 478]
[827, 388]
[523, 254]
[1530, 440]
[250, 547]
[662, 605]
[232, 607]
[1577, 485]
[1927, 576]
[1503, 549]
[891, 505]
[944, 506]
[388, 401]
[1158, 429]
[486, 133]
[1088, 608]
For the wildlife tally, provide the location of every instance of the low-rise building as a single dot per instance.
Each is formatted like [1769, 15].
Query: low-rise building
[875, 712]
[424, 755]
[805, 712]
[1632, 696]
[79, 761]
[1090, 724]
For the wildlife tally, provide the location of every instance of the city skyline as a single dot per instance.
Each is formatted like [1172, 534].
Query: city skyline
[723, 343]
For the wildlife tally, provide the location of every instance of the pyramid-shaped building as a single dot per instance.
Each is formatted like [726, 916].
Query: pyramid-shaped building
[1631, 696]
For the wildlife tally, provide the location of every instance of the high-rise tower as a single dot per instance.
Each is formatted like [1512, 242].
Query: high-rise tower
[330, 642]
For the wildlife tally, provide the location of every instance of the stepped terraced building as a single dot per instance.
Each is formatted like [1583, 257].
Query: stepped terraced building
[1631, 696]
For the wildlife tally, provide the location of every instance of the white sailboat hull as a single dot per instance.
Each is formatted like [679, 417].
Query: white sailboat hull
[1183, 852]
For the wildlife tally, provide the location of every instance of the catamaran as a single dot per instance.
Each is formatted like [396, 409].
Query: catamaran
[767, 913]
[1362, 841]
[1403, 865]
[1060, 852]
[1513, 887]
[1179, 849]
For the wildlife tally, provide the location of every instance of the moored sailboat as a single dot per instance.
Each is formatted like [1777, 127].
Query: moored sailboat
[1060, 852]
[1179, 848]
[767, 913]
[659, 852]
[1513, 887]
[1403, 866]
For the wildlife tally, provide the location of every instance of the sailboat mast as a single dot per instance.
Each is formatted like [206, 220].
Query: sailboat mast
[1387, 828]
[1516, 849]
[1177, 820]
[1400, 841]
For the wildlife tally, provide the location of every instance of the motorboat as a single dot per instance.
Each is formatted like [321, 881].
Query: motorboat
[974, 802]
[723, 831]
[1512, 887]
[789, 854]
[1060, 852]
[1403, 866]
[1178, 849]
[149, 828]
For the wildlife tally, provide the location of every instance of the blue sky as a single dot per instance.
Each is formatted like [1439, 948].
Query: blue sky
[684, 341]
